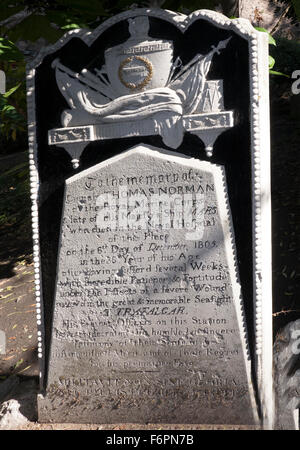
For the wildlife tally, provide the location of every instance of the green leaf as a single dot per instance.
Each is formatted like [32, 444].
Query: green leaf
[19, 363]
[273, 72]
[71, 26]
[261, 29]
[11, 91]
[8, 108]
[271, 39]
[9, 52]
[271, 62]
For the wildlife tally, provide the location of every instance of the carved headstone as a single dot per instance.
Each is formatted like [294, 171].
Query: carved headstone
[147, 322]
[149, 314]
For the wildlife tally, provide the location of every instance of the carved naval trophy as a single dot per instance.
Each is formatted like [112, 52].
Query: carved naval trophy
[141, 91]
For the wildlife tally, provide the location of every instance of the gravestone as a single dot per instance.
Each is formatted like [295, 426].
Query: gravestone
[147, 316]
[150, 188]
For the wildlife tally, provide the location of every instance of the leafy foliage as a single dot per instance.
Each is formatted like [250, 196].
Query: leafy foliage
[287, 55]
[14, 197]
[12, 110]
[271, 58]
[9, 52]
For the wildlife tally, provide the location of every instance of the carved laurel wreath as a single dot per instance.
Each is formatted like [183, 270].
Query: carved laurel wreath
[145, 81]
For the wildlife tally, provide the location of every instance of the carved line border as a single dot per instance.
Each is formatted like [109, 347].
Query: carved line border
[244, 29]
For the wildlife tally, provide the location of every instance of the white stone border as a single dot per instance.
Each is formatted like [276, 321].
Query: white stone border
[260, 144]
[34, 188]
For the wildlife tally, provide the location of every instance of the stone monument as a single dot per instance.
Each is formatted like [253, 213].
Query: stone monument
[150, 190]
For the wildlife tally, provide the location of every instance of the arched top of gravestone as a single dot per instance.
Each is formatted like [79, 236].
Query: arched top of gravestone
[182, 22]
[102, 76]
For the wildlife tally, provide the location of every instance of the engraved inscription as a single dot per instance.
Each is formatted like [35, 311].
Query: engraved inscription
[147, 48]
[146, 313]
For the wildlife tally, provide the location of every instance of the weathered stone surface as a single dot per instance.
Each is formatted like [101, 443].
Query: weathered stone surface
[147, 323]
[10, 415]
[287, 377]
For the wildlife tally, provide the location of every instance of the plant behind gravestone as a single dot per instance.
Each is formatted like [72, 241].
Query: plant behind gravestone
[12, 112]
